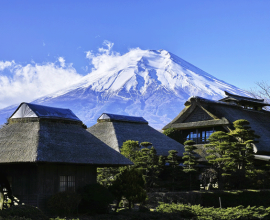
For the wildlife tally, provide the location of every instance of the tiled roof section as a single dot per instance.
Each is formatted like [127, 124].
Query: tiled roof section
[28, 110]
[123, 118]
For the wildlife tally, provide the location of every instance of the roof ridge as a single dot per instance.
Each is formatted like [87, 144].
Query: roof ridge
[29, 110]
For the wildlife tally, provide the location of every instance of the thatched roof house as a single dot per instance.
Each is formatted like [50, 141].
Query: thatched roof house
[45, 150]
[114, 130]
[201, 117]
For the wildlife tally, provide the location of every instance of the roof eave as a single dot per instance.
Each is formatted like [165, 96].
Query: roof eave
[200, 124]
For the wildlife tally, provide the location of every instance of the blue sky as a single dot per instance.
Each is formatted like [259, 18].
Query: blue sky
[228, 39]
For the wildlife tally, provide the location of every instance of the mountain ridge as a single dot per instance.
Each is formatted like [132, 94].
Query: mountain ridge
[153, 84]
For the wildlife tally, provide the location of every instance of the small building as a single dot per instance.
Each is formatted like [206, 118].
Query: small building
[114, 130]
[201, 117]
[45, 150]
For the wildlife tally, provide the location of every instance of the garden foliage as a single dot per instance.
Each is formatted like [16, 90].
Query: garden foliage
[64, 203]
[95, 199]
[232, 155]
[199, 212]
[22, 212]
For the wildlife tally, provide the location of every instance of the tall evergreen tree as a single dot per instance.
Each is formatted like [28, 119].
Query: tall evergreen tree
[174, 161]
[242, 152]
[149, 163]
[219, 150]
[131, 150]
[232, 153]
[189, 159]
[129, 182]
[106, 175]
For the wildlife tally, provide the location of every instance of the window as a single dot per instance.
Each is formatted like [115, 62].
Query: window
[67, 183]
[208, 133]
[200, 136]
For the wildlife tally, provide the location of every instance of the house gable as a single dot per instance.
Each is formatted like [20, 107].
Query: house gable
[198, 114]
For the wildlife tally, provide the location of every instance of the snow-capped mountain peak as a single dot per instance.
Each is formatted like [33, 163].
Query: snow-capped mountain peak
[149, 83]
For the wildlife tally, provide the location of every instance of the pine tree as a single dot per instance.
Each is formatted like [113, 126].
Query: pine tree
[189, 159]
[149, 163]
[232, 154]
[131, 150]
[219, 150]
[129, 182]
[106, 175]
[242, 152]
[174, 161]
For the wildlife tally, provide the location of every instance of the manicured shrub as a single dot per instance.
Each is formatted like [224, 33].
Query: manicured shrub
[64, 203]
[23, 212]
[236, 198]
[95, 199]
[185, 211]
[200, 212]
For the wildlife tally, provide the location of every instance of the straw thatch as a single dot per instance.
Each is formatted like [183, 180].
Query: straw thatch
[54, 141]
[200, 112]
[115, 131]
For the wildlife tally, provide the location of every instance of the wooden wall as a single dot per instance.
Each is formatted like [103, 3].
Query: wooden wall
[34, 183]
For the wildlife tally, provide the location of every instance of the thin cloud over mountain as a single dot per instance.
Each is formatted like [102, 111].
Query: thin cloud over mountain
[28, 82]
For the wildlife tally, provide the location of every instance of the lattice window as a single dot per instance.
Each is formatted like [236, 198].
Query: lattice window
[67, 183]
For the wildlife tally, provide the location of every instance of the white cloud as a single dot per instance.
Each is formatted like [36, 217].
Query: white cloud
[61, 61]
[6, 64]
[105, 58]
[26, 83]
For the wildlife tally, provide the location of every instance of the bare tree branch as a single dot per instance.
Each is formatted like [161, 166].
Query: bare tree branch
[262, 91]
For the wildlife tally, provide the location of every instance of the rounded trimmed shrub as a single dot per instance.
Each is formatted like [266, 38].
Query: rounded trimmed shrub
[95, 199]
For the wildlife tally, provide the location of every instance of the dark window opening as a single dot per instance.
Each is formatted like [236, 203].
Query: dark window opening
[67, 183]
[200, 136]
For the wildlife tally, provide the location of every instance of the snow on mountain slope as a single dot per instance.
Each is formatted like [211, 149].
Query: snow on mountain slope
[149, 83]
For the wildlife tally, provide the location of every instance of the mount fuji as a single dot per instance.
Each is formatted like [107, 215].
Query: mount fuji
[153, 84]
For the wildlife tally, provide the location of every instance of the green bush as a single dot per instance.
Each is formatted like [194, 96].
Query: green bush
[95, 199]
[23, 212]
[238, 212]
[64, 203]
[183, 210]
[236, 198]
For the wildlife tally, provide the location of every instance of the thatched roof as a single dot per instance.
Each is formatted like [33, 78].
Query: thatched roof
[39, 139]
[218, 113]
[115, 132]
